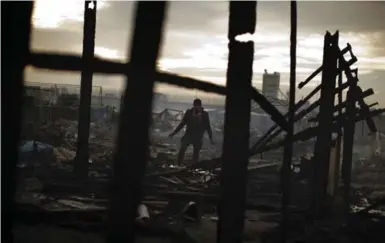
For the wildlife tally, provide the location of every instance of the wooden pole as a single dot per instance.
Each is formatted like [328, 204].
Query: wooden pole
[237, 121]
[82, 152]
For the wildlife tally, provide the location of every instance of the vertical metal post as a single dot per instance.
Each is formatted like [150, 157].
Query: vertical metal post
[132, 143]
[82, 152]
[288, 149]
[237, 121]
[15, 29]
[322, 148]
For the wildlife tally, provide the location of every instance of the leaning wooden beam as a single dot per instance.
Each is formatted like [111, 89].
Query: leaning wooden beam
[312, 131]
[235, 158]
[307, 80]
[82, 153]
[273, 132]
[353, 76]
[269, 135]
[319, 70]
[132, 142]
[288, 149]
[342, 105]
[16, 30]
[73, 63]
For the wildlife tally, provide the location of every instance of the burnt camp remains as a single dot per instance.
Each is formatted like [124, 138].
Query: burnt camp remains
[71, 177]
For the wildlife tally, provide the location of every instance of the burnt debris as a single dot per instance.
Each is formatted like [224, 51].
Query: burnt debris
[107, 172]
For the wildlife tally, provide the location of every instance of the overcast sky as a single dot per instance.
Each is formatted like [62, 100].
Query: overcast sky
[195, 39]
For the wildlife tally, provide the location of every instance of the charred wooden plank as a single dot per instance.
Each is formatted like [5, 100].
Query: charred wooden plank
[322, 148]
[15, 44]
[288, 149]
[132, 142]
[84, 119]
[237, 121]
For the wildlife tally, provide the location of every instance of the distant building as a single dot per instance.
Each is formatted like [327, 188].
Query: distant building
[159, 97]
[270, 84]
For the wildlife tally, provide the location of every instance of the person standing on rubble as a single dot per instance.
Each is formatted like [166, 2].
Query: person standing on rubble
[197, 122]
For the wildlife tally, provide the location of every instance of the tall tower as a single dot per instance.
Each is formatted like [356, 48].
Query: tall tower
[270, 84]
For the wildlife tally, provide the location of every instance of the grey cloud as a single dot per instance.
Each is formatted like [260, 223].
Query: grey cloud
[55, 39]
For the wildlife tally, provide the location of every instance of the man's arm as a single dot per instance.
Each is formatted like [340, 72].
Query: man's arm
[208, 127]
[181, 125]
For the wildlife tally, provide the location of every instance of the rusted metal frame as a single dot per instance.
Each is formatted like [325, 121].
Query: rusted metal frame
[16, 30]
[322, 148]
[73, 63]
[288, 149]
[132, 143]
[235, 158]
[312, 131]
[84, 119]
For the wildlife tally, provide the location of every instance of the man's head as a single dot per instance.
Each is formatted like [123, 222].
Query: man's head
[197, 103]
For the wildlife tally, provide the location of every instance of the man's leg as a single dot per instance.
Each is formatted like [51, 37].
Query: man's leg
[197, 148]
[182, 150]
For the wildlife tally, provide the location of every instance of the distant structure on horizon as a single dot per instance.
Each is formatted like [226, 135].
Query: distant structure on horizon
[270, 84]
[160, 97]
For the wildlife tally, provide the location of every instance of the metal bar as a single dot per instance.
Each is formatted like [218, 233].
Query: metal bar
[132, 142]
[84, 119]
[322, 148]
[16, 30]
[237, 121]
[288, 149]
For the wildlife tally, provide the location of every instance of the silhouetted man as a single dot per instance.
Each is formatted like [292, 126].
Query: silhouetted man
[197, 122]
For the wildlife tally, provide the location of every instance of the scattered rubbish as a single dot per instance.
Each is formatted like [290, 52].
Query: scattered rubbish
[143, 213]
[35, 146]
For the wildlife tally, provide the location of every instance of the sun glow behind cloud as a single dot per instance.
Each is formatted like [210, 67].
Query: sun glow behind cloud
[272, 53]
[49, 14]
[205, 57]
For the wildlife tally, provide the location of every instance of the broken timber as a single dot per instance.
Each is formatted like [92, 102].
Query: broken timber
[132, 142]
[82, 153]
[235, 158]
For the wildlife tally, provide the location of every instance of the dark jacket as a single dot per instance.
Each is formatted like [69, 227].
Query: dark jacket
[195, 126]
